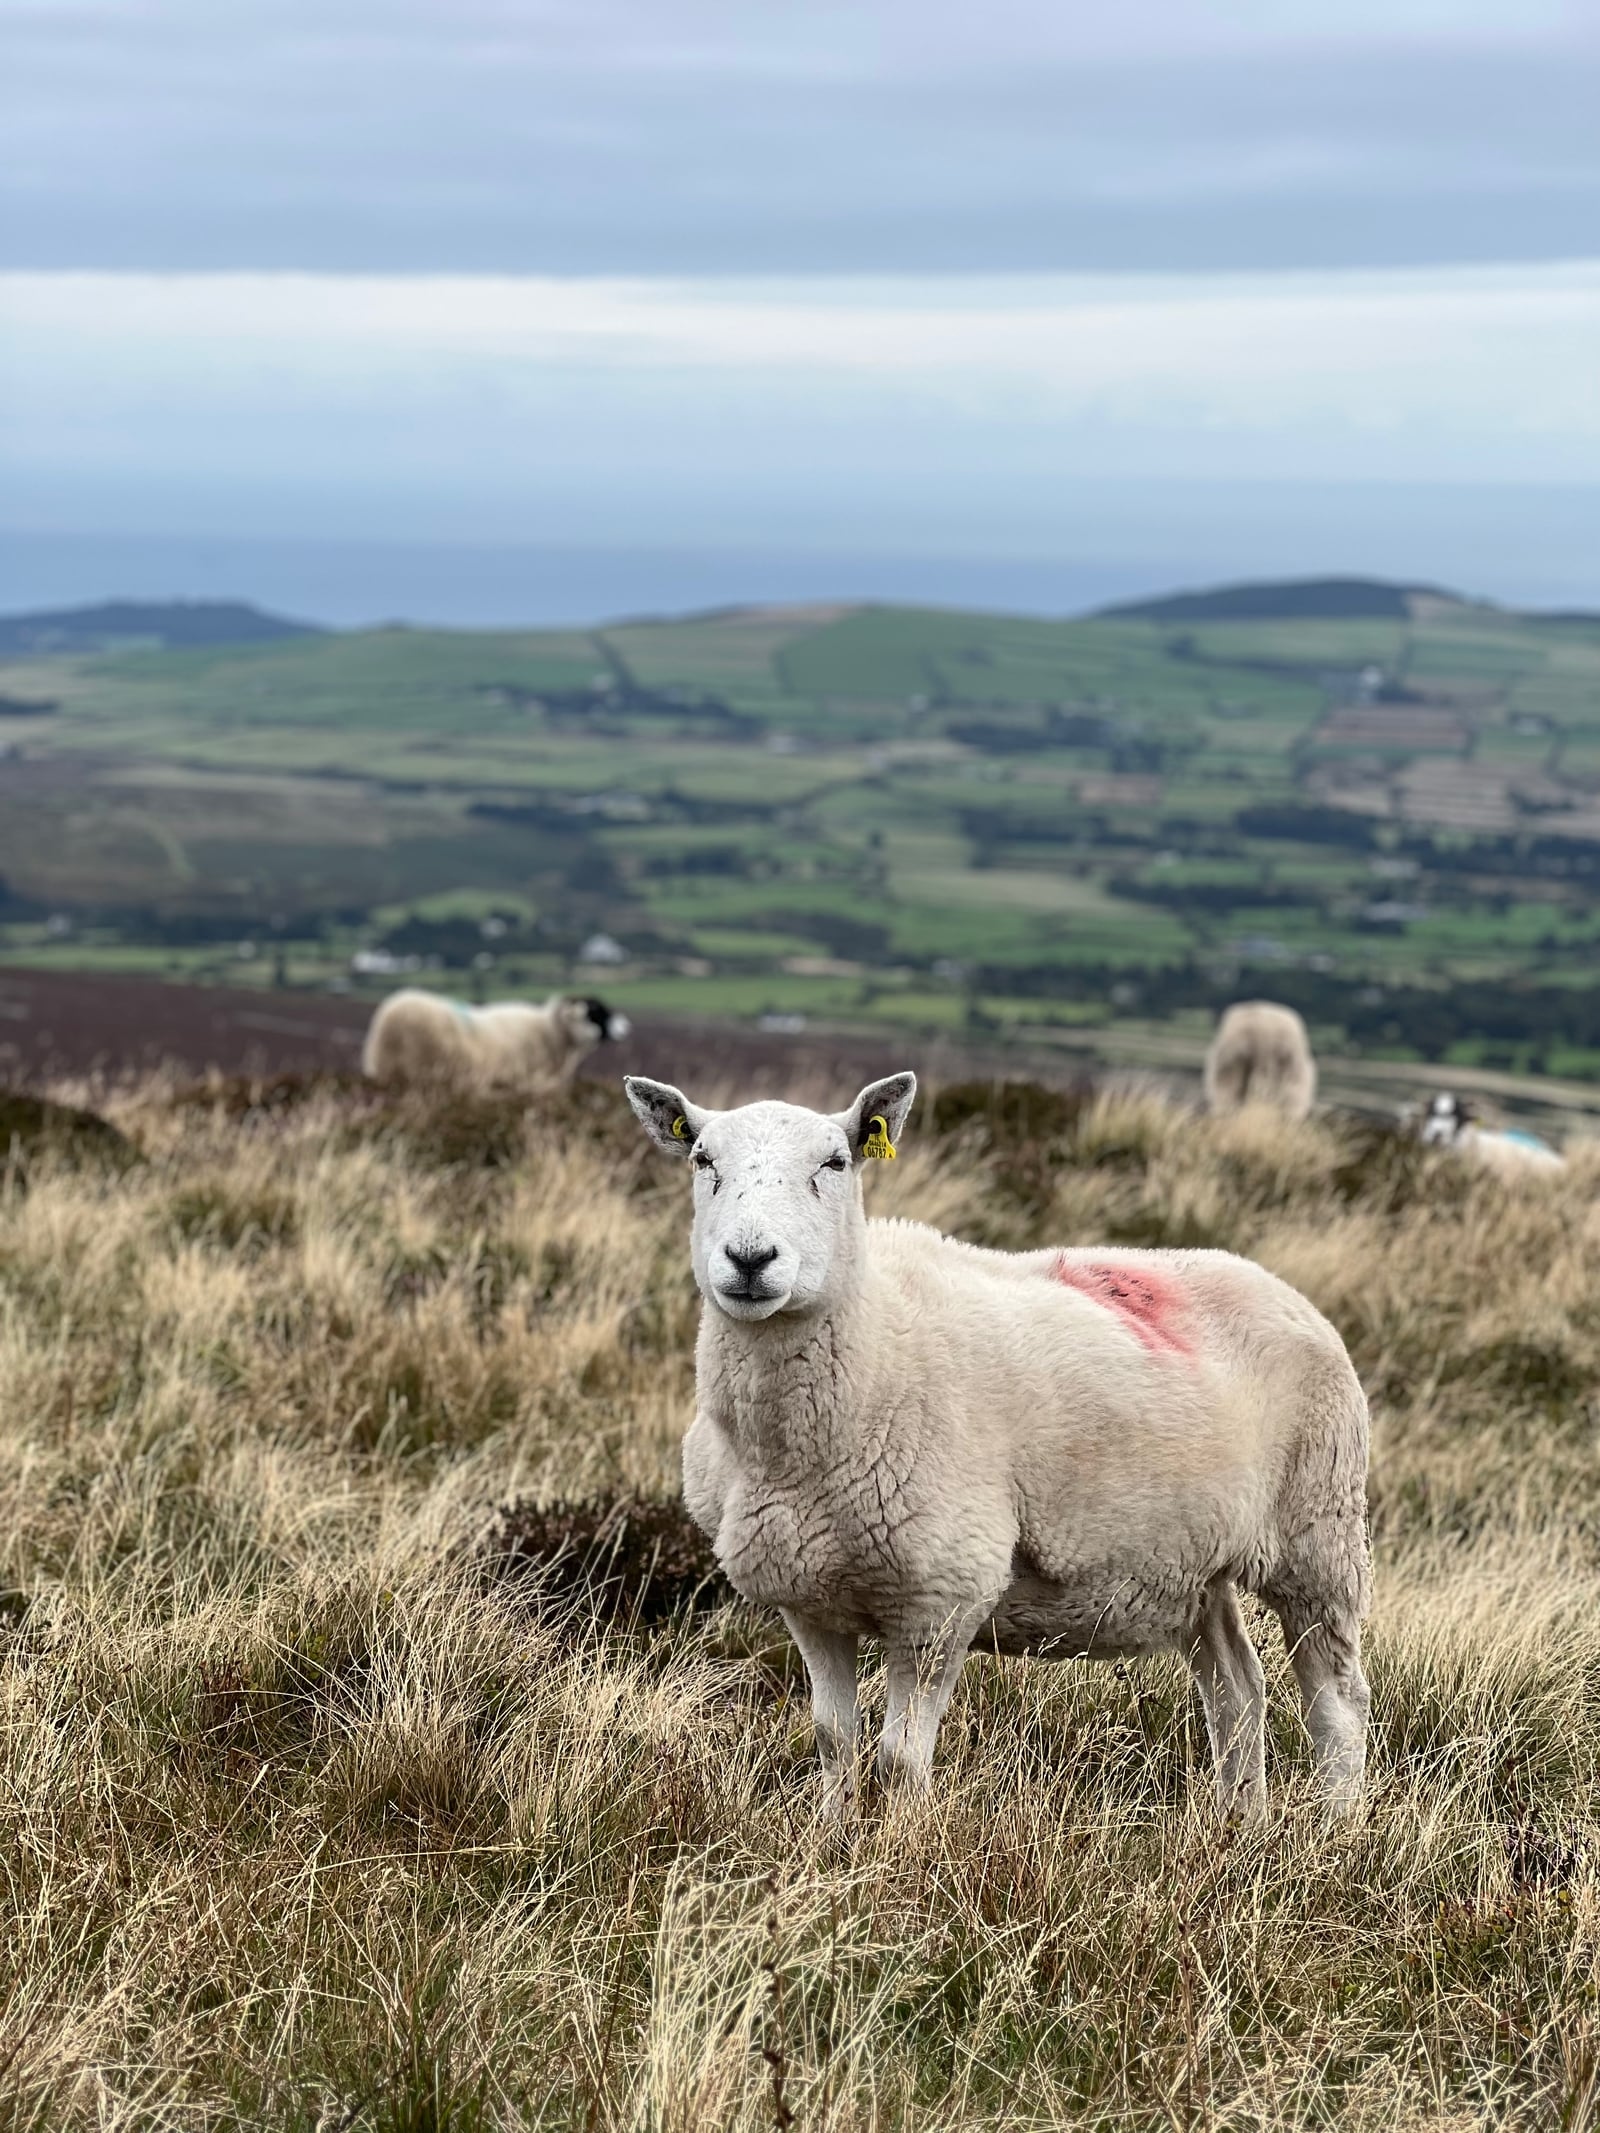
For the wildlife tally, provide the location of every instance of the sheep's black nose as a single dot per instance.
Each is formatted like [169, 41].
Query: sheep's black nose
[751, 1263]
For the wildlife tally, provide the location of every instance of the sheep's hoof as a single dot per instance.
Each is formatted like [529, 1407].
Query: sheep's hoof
[1243, 1808]
[903, 1774]
[1345, 1806]
[839, 1806]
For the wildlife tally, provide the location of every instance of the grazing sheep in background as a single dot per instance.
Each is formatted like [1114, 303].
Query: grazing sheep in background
[1452, 1122]
[421, 1039]
[1261, 1055]
[1061, 1453]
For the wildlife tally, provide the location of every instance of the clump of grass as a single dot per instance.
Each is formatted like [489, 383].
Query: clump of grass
[314, 1811]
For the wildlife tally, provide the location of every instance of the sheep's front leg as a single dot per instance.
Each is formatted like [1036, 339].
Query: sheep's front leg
[920, 1680]
[831, 1663]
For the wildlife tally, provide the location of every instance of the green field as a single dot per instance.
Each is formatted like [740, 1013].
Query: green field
[935, 818]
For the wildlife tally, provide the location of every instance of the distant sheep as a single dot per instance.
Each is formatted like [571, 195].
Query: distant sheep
[1452, 1122]
[422, 1040]
[1261, 1055]
[1058, 1453]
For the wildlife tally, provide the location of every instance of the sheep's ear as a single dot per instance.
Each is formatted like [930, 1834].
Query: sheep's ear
[665, 1113]
[873, 1123]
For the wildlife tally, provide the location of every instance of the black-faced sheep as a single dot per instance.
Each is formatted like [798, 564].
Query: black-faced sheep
[1452, 1122]
[1261, 1055]
[423, 1040]
[1061, 1453]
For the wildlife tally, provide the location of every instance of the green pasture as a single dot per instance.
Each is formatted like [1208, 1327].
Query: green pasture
[903, 790]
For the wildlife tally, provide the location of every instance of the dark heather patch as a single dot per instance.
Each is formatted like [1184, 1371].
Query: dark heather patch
[32, 1127]
[1013, 1114]
[1545, 1858]
[618, 1564]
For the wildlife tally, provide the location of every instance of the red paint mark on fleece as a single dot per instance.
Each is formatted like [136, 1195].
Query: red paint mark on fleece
[1147, 1304]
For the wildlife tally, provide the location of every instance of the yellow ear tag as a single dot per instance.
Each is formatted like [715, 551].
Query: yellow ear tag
[877, 1142]
[680, 1128]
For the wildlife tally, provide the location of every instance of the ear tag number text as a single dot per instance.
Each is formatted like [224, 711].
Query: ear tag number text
[877, 1142]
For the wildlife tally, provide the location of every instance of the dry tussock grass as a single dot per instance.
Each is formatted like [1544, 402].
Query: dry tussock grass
[307, 1822]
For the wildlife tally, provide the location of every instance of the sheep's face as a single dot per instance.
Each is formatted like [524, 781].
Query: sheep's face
[590, 1022]
[777, 1190]
[1445, 1120]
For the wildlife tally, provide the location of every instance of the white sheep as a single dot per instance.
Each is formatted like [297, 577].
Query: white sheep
[1261, 1055]
[421, 1040]
[1063, 1453]
[1451, 1122]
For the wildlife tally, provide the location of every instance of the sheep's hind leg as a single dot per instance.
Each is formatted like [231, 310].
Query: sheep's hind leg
[831, 1663]
[920, 1680]
[1325, 1652]
[1233, 1692]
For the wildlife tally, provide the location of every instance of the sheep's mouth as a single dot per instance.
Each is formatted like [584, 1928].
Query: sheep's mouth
[616, 1028]
[748, 1299]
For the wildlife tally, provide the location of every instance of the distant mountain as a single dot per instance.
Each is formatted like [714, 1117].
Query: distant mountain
[171, 624]
[1290, 600]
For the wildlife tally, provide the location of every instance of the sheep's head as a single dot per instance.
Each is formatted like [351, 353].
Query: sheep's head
[777, 1189]
[589, 1022]
[1446, 1119]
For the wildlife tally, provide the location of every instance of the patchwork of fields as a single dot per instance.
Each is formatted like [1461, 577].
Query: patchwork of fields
[945, 821]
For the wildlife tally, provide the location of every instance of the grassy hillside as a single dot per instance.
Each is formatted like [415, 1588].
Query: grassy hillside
[115, 625]
[1391, 818]
[310, 1817]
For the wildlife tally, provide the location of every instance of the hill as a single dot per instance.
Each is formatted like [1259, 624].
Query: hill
[1291, 600]
[883, 817]
[168, 624]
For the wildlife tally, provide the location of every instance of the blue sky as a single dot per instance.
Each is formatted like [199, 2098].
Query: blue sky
[756, 300]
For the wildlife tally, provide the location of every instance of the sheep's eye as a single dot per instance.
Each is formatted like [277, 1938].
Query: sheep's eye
[836, 1162]
[701, 1160]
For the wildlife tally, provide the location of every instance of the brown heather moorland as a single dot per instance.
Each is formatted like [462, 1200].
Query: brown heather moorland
[317, 1811]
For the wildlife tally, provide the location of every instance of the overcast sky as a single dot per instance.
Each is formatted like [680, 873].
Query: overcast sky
[892, 277]
[738, 136]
